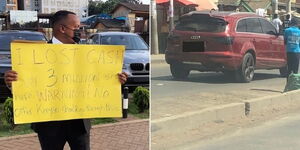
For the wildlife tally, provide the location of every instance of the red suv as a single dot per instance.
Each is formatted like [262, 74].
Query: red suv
[231, 42]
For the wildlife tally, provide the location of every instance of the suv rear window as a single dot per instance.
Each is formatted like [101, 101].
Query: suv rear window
[201, 23]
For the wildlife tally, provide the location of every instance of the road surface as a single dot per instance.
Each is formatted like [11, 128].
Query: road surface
[279, 134]
[170, 97]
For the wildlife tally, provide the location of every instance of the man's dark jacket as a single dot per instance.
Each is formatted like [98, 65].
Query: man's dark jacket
[53, 127]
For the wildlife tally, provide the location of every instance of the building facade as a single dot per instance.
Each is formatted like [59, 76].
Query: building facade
[79, 7]
[7, 5]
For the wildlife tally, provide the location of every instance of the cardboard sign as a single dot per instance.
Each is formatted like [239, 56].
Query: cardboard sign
[66, 81]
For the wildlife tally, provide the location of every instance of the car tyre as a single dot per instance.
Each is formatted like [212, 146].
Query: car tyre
[247, 68]
[179, 71]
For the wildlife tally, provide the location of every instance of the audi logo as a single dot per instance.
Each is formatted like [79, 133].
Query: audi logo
[195, 37]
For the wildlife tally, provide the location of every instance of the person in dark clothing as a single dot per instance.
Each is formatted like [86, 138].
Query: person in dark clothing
[287, 21]
[53, 135]
[292, 41]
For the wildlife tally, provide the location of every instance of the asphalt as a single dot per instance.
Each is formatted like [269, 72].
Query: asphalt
[186, 122]
[279, 134]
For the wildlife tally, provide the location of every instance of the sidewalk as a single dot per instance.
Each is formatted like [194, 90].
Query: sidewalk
[160, 58]
[130, 135]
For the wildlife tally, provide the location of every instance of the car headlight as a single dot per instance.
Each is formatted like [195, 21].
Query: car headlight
[124, 66]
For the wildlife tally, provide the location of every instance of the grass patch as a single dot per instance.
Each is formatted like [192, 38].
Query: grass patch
[134, 110]
[6, 130]
[102, 121]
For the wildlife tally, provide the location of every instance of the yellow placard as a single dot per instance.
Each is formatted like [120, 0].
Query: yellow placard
[66, 81]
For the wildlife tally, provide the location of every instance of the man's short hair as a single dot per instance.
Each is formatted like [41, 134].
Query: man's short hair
[61, 15]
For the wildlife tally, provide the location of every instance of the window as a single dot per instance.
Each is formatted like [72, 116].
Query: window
[131, 42]
[95, 39]
[253, 25]
[267, 27]
[242, 26]
[201, 23]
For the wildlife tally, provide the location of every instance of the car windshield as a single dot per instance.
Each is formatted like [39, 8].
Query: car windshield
[201, 23]
[131, 42]
[5, 39]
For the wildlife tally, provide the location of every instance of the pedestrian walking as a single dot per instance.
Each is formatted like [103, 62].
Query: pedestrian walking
[292, 41]
[277, 22]
[53, 135]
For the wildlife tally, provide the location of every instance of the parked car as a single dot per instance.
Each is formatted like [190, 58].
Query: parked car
[234, 43]
[5, 57]
[136, 59]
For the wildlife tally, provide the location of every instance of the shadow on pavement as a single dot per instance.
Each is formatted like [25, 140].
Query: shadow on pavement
[215, 78]
[267, 90]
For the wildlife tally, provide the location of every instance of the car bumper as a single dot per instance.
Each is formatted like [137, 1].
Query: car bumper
[206, 61]
[137, 81]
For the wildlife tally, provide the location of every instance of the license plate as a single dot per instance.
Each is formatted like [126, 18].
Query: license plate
[193, 46]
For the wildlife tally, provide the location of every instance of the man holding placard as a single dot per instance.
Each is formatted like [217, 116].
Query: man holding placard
[54, 134]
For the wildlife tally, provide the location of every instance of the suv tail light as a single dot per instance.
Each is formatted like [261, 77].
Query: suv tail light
[227, 40]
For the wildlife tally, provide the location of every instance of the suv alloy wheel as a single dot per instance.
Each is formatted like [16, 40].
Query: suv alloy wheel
[247, 68]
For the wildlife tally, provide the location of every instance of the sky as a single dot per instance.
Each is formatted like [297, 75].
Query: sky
[144, 1]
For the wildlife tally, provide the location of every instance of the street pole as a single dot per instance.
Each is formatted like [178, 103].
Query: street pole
[153, 24]
[289, 6]
[275, 7]
[125, 102]
[171, 15]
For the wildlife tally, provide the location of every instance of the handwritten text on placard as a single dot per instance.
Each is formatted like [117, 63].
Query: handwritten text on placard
[66, 81]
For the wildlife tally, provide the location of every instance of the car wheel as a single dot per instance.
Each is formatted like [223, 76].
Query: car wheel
[247, 68]
[283, 71]
[179, 71]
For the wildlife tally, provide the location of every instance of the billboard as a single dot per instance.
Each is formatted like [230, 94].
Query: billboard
[20, 19]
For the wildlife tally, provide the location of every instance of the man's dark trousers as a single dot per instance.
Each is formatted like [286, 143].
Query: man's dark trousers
[54, 135]
[293, 62]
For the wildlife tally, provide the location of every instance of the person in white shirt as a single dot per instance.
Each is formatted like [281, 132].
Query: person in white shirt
[277, 22]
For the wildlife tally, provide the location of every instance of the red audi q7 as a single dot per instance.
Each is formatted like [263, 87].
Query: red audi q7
[234, 43]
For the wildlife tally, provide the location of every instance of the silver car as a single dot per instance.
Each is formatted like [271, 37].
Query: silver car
[136, 59]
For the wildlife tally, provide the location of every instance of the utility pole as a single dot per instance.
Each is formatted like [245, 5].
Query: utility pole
[289, 6]
[274, 7]
[153, 35]
[171, 9]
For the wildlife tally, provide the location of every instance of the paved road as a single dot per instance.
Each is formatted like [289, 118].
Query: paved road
[282, 134]
[202, 90]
